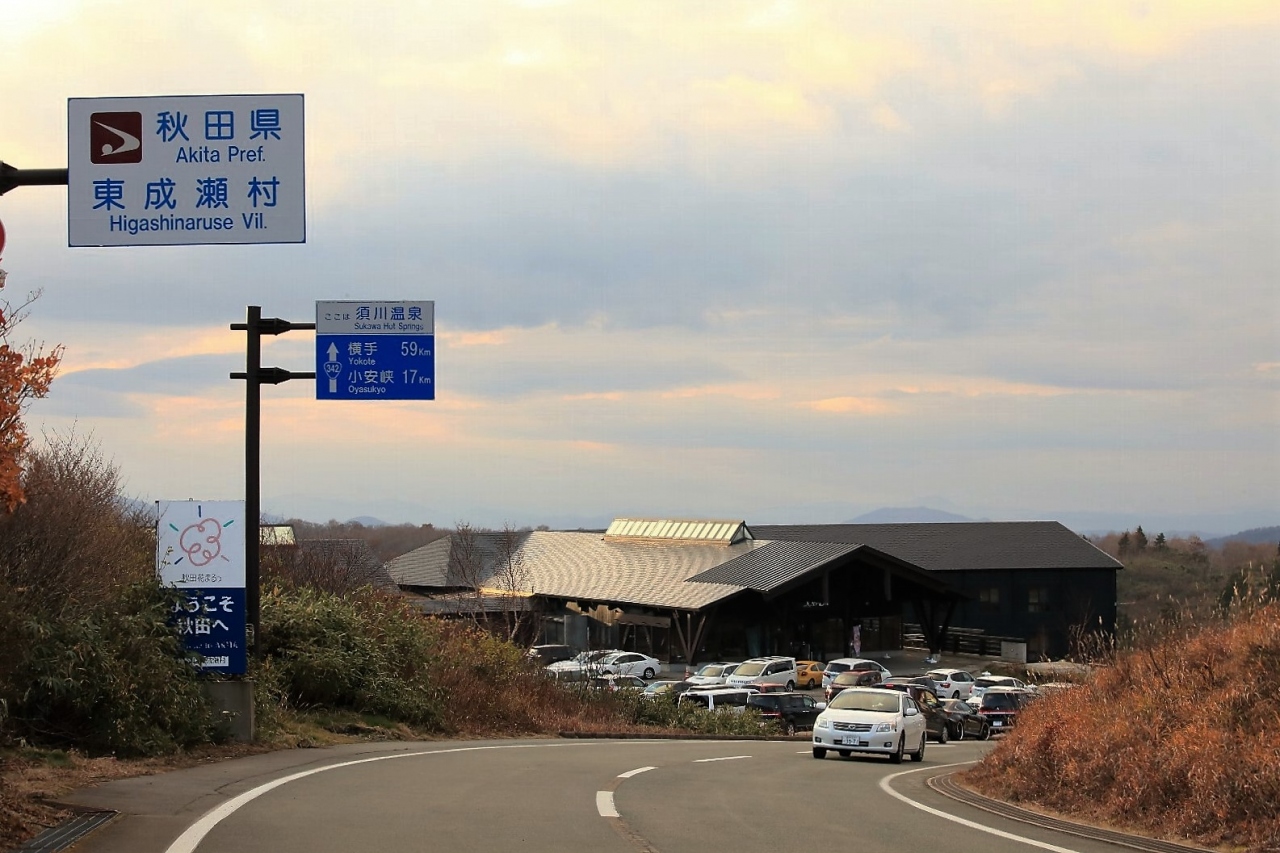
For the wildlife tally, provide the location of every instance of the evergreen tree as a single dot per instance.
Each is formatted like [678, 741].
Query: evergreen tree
[1139, 540]
[1123, 546]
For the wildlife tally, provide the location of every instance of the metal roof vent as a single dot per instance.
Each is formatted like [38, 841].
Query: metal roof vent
[719, 532]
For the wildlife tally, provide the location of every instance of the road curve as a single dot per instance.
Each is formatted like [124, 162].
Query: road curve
[556, 795]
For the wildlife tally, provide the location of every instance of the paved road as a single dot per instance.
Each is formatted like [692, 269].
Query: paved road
[557, 795]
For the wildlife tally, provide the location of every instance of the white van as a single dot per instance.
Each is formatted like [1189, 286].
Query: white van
[777, 671]
[717, 698]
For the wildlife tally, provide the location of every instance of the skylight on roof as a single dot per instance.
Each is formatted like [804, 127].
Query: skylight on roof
[679, 530]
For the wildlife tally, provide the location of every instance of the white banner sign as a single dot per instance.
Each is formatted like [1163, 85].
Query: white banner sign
[200, 544]
[185, 169]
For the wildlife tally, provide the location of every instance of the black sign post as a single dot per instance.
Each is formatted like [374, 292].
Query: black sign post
[255, 375]
[11, 177]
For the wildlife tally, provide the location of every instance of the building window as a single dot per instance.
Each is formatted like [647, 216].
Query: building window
[1038, 600]
[989, 599]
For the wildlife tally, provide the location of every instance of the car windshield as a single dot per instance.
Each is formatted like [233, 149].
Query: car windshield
[859, 700]
[768, 702]
[750, 669]
[938, 676]
[837, 667]
[989, 682]
[844, 679]
[711, 669]
[999, 701]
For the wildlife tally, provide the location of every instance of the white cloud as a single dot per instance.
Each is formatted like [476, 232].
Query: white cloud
[712, 258]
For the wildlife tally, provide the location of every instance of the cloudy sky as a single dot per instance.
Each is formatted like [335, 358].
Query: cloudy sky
[763, 260]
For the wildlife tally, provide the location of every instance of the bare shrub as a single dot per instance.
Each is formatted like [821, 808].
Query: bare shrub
[75, 540]
[510, 579]
[330, 565]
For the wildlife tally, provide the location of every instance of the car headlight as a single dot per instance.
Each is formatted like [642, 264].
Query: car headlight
[887, 727]
[822, 723]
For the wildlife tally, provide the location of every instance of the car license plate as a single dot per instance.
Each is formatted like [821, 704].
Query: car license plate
[850, 741]
[996, 723]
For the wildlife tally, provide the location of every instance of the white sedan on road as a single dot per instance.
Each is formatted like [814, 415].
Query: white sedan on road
[630, 663]
[871, 720]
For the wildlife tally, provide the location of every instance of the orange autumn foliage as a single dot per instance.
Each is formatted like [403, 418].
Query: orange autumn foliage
[26, 373]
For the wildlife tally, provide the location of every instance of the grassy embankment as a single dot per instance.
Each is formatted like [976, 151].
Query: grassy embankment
[1179, 739]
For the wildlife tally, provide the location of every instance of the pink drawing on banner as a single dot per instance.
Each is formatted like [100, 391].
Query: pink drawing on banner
[201, 542]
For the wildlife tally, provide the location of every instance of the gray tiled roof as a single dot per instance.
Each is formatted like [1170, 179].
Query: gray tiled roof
[584, 566]
[451, 604]
[955, 546]
[427, 566]
[774, 564]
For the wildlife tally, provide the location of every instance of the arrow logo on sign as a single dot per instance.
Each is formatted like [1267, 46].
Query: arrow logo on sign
[128, 142]
[332, 368]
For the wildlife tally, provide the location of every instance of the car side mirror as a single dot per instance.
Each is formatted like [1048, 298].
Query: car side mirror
[910, 712]
[822, 706]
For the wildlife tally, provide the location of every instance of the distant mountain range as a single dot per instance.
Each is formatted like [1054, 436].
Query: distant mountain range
[907, 515]
[1255, 536]
[1255, 527]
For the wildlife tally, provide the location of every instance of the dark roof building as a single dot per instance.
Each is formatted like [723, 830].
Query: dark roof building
[1034, 581]
[733, 590]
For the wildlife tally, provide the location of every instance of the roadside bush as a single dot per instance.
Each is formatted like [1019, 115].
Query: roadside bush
[114, 680]
[362, 651]
[491, 687]
[75, 542]
[666, 714]
[1180, 738]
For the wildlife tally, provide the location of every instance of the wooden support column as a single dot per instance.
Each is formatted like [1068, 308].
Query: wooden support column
[681, 636]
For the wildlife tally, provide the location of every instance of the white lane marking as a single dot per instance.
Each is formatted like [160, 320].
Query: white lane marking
[884, 786]
[725, 758]
[604, 804]
[194, 834]
[635, 772]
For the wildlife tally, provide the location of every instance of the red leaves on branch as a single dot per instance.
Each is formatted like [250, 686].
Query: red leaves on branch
[25, 375]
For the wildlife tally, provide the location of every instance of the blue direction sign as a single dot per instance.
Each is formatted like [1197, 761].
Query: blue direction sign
[375, 350]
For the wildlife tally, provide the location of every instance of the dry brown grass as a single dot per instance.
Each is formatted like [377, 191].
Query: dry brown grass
[1180, 739]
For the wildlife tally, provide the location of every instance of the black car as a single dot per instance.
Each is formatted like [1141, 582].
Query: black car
[964, 720]
[922, 680]
[791, 711]
[935, 716]
[551, 653]
[1000, 706]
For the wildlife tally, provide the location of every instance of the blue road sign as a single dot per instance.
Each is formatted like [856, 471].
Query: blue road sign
[380, 350]
[212, 623]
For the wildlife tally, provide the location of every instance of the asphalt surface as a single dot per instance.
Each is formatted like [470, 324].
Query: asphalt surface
[556, 795]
